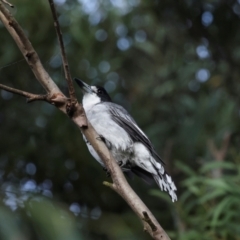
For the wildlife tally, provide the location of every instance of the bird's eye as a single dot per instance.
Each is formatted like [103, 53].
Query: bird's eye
[100, 91]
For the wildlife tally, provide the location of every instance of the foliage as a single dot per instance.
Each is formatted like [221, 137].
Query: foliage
[58, 224]
[175, 66]
[209, 206]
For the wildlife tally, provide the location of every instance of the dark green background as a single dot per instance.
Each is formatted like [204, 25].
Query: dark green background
[174, 65]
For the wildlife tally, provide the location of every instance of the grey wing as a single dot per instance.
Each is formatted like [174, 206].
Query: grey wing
[123, 119]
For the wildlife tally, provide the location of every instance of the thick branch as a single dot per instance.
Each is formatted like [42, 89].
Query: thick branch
[149, 221]
[27, 50]
[63, 54]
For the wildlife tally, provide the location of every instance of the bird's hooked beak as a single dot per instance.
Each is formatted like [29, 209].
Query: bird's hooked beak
[85, 87]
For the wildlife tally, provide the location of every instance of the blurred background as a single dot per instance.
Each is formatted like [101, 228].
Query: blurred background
[174, 65]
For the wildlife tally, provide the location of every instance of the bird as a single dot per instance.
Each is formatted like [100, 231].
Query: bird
[128, 144]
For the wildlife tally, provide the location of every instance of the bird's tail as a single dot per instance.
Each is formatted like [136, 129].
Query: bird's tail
[157, 172]
[166, 183]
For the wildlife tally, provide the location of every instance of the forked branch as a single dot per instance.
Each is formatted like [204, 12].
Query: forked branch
[219, 154]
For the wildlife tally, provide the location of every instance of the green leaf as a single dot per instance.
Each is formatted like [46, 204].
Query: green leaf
[214, 165]
[185, 168]
[211, 195]
[219, 209]
[52, 221]
[163, 195]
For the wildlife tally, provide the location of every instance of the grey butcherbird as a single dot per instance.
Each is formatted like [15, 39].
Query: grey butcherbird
[128, 144]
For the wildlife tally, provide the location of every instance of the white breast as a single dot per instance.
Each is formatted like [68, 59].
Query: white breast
[89, 100]
[105, 126]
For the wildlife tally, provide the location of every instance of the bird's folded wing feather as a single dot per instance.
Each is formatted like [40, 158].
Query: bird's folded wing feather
[123, 119]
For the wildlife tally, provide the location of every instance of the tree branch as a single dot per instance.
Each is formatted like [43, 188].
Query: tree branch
[120, 185]
[63, 54]
[149, 221]
[30, 96]
[55, 99]
[9, 4]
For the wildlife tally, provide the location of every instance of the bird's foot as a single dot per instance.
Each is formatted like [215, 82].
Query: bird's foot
[107, 143]
[101, 138]
[120, 163]
[108, 174]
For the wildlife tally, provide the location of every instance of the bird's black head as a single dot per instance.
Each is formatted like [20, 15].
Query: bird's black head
[98, 93]
[102, 94]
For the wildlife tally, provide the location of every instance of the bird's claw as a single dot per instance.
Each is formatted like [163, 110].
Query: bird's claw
[101, 138]
[120, 163]
[108, 174]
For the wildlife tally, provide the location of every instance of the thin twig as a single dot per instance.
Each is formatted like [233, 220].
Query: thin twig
[63, 54]
[8, 3]
[55, 99]
[108, 184]
[30, 96]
